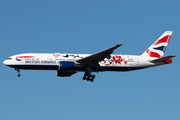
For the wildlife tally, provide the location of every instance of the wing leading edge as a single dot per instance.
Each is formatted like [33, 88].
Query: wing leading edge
[99, 56]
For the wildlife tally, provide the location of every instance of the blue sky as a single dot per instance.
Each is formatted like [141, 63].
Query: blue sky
[42, 26]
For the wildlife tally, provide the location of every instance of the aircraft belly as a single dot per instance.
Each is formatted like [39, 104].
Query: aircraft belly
[36, 67]
[114, 68]
[110, 68]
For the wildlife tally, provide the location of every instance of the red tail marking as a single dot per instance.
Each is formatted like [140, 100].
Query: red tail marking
[163, 40]
[153, 54]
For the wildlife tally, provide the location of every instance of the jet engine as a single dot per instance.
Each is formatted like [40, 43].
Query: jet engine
[66, 65]
[64, 73]
[66, 68]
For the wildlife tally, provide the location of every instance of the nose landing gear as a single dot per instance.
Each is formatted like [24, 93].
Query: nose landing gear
[18, 70]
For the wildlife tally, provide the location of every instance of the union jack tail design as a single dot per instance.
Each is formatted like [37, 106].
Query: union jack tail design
[158, 48]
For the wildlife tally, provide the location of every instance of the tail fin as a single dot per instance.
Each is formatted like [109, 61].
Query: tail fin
[158, 48]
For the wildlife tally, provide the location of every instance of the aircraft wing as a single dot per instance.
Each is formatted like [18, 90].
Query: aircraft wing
[99, 56]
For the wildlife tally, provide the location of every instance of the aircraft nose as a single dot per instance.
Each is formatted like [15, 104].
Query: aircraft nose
[5, 62]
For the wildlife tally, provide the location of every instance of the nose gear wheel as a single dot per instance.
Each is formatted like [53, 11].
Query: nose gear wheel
[19, 75]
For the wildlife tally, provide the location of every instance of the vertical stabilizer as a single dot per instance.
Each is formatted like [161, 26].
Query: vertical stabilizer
[158, 48]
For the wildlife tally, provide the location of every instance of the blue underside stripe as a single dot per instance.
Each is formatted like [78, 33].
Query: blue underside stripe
[56, 67]
[36, 67]
[111, 68]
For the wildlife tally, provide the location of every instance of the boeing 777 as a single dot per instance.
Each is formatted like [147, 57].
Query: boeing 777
[69, 64]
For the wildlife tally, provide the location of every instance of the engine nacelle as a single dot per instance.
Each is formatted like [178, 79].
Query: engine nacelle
[64, 73]
[66, 65]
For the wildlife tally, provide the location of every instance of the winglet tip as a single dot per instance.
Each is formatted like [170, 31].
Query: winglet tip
[119, 44]
[174, 55]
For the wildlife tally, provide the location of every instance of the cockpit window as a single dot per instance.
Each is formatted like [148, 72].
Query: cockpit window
[9, 58]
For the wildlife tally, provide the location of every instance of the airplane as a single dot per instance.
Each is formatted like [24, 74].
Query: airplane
[69, 64]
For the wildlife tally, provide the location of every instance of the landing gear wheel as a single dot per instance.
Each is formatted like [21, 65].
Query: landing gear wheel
[89, 77]
[92, 79]
[19, 75]
[84, 77]
[93, 76]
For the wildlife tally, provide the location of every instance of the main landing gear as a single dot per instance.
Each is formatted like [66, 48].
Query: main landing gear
[89, 77]
[18, 70]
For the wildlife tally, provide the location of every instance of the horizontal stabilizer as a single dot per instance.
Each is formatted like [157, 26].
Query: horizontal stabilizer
[163, 58]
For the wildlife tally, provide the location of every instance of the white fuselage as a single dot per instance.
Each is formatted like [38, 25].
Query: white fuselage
[42, 61]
